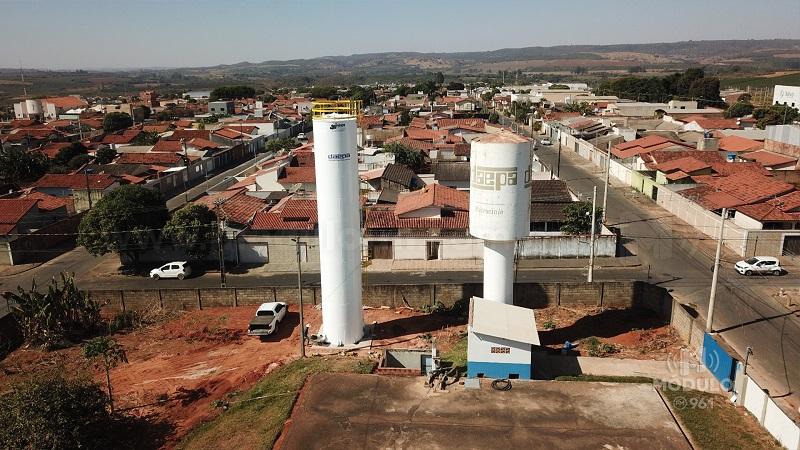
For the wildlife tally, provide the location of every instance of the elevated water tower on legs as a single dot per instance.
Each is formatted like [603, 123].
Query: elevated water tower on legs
[499, 206]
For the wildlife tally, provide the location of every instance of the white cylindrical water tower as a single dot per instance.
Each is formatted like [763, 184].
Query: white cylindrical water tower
[499, 206]
[336, 167]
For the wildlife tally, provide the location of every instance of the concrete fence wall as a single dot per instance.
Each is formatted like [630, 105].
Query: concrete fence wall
[690, 327]
[619, 294]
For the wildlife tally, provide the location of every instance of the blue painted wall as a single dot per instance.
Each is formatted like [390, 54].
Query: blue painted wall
[498, 370]
[718, 362]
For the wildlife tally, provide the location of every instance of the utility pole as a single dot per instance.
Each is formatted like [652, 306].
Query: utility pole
[185, 175]
[605, 187]
[86, 172]
[220, 244]
[590, 277]
[558, 164]
[713, 297]
[300, 292]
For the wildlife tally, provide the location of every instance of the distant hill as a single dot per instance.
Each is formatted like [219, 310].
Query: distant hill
[774, 54]
[731, 58]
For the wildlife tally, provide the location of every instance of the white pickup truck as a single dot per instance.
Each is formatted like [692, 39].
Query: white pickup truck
[267, 318]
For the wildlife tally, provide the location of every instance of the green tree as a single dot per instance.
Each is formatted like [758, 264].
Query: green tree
[559, 86]
[405, 118]
[268, 98]
[280, 144]
[775, 115]
[49, 410]
[406, 156]
[455, 86]
[739, 109]
[487, 96]
[705, 91]
[64, 155]
[146, 138]
[116, 121]
[579, 218]
[324, 92]
[438, 78]
[231, 93]
[583, 108]
[18, 166]
[580, 70]
[78, 161]
[126, 221]
[105, 155]
[194, 229]
[60, 314]
[494, 117]
[106, 353]
[366, 95]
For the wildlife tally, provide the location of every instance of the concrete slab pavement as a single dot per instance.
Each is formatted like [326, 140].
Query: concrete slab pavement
[337, 411]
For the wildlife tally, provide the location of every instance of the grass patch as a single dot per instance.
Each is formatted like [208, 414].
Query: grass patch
[606, 379]
[792, 79]
[458, 355]
[714, 422]
[256, 422]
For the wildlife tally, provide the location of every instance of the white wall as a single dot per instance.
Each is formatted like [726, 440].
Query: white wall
[479, 349]
[769, 415]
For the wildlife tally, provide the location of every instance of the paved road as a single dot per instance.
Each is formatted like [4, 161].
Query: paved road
[745, 315]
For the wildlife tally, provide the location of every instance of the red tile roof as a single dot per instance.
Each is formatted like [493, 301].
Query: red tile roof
[184, 123]
[177, 135]
[52, 149]
[237, 206]
[411, 143]
[686, 164]
[383, 217]
[739, 144]
[712, 124]
[432, 195]
[297, 175]
[231, 134]
[418, 122]
[203, 144]
[782, 209]
[74, 181]
[370, 121]
[469, 123]
[167, 146]
[123, 138]
[289, 214]
[12, 211]
[421, 134]
[767, 158]
[737, 189]
[49, 202]
[149, 158]
[157, 128]
[643, 145]
[67, 102]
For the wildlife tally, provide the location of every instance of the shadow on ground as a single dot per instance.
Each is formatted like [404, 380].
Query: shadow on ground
[606, 324]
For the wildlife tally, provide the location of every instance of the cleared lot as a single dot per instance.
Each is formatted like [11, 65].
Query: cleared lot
[369, 411]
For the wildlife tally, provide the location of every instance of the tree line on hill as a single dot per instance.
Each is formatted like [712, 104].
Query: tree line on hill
[692, 84]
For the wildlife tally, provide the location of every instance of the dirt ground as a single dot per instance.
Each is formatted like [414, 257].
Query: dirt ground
[633, 334]
[180, 367]
[177, 369]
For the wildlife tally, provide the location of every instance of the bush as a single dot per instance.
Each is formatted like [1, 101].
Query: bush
[594, 347]
[60, 314]
[54, 412]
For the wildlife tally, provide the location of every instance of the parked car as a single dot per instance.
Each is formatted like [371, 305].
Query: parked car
[760, 265]
[267, 318]
[546, 141]
[175, 269]
[301, 137]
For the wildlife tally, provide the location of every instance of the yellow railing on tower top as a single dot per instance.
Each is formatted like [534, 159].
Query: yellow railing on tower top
[349, 107]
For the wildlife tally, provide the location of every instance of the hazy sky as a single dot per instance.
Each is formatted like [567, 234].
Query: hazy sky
[70, 34]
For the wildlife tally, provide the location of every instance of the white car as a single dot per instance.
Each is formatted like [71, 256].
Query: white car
[267, 318]
[759, 265]
[546, 141]
[175, 269]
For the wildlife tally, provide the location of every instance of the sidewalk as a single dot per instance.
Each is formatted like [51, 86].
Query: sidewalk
[683, 371]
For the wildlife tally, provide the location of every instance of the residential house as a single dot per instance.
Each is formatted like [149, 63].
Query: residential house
[85, 189]
[221, 108]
